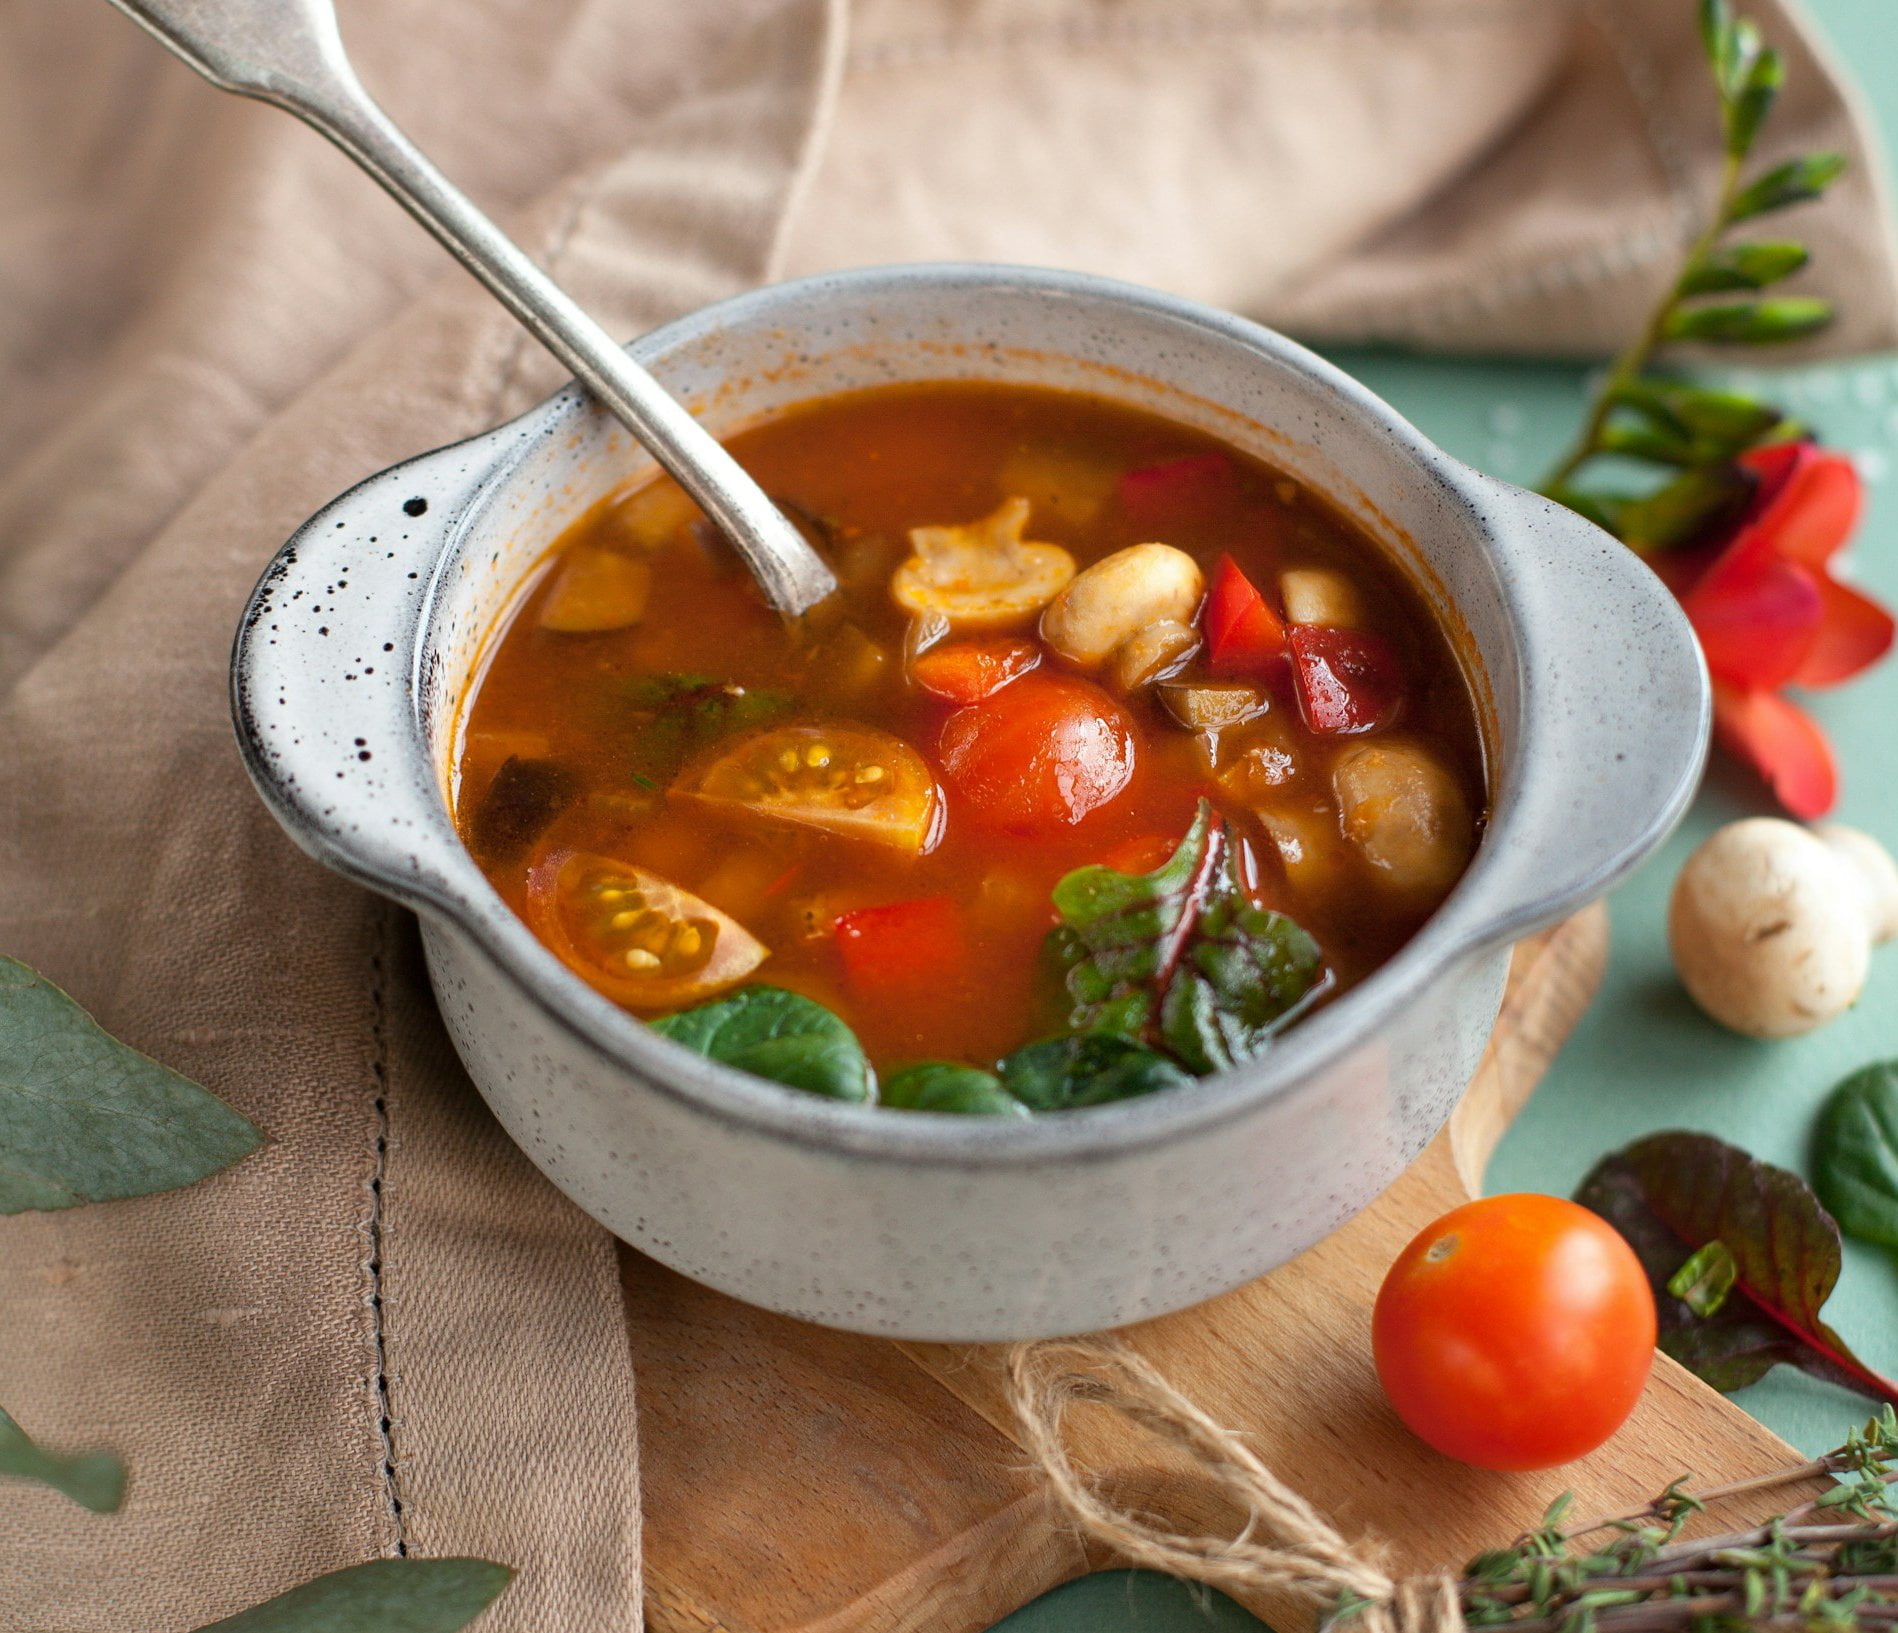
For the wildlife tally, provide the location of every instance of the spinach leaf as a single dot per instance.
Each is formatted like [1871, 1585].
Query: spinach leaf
[1181, 958]
[1086, 1070]
[1673, 1196]
[94, 1480]
[781, 1035]
[1856, 1156]
[939, 1085]
[379, 1596]
[524, 797]
[677, 716]
[84, 1118]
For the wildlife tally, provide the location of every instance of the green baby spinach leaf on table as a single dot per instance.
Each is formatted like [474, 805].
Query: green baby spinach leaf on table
[940, 1085]
[1182, 959]
[781, 1035]
[85, 1118]
[1855, 1160]
[1089, 1069]
[94, 1480]
[379, 1596]
[678, 716]
[1673, 1196]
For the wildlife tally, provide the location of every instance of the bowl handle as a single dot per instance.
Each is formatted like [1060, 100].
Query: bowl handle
[328, 688]
[1616, 708]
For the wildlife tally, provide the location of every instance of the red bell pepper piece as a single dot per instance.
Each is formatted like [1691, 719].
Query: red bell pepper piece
[1782, 743]
[904, 952]
[968, 671]
[1348, 680]
[1189, 488]
[1244, 636]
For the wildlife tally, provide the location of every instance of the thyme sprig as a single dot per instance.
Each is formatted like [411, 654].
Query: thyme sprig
[1827, 1566]
[1691, 434]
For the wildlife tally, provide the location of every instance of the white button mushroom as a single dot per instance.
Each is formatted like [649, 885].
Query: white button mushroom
[983, 574]
[1406, 813]
[1772, 925]
[1116, 599]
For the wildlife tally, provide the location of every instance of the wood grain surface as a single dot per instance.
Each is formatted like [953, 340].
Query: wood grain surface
[799, 1480]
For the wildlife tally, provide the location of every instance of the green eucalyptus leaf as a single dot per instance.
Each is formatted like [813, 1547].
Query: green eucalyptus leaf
[94, 1480]
[1671, 1195]
[1743, 267]
[1855, 1166]
[1752, 100]
[1704, 1281]
[1751, 323]
[1794, 182]
[85, 1118]
[781, 1035]
[1088, 1070]
[380, 1596]
[1181, 958]
[940, 1085]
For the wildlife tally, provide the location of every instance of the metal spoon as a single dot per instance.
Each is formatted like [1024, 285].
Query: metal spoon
[289, 52]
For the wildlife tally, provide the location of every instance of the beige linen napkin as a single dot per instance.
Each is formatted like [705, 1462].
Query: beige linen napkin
[384, 1333]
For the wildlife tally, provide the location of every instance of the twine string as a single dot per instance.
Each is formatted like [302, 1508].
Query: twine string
[1285, 1546]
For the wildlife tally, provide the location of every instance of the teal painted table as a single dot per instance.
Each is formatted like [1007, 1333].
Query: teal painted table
[1645, 1058]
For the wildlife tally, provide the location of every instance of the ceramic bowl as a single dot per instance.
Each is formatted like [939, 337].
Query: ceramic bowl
[362, 639]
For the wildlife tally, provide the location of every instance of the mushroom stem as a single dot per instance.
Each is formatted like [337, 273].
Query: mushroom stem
[1876, 872]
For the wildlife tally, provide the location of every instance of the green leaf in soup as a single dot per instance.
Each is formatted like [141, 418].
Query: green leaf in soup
[1181, 958]
[678, 716]
[781, 1035]
[1855, 1161]
[520, 803]
[379, 1596]
[939, 1085]
[1091, 1069]
[85, 1118]
[94, 1480]
[1672, 1196]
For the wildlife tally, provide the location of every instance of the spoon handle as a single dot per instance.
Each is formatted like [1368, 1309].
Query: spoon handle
[289, 53]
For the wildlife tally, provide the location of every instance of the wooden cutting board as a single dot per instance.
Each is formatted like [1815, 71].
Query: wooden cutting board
[799, 1480]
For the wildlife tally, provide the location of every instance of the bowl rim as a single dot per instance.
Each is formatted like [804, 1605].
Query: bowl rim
[1461, 930]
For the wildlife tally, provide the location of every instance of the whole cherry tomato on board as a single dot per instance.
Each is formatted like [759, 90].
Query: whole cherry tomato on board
[1039, 754]
[1515, 1332]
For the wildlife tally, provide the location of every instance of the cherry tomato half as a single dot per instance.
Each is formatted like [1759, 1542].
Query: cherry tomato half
[1515, 1333]
[1039, 754]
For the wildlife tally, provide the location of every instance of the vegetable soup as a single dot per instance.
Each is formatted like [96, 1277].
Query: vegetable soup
[1118, 752]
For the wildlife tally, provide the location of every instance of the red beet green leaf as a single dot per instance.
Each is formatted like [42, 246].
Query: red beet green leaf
[1672, 1196]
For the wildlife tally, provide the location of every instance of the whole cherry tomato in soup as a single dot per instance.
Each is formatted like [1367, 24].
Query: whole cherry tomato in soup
[1038, 755]
[1515, 1332]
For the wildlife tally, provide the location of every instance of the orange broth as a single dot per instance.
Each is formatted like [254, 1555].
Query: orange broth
[576, 706]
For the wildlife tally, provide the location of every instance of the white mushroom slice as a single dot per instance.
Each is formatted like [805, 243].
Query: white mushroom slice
[1772, 925]
[1118, 597]
[596, 590]
[1406, 813]
[983, 574]
[1157, 650]
[1309, 847]
[1318, 595]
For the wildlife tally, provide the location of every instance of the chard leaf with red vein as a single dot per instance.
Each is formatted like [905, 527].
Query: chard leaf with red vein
[1182, 959]
[1672, 1195]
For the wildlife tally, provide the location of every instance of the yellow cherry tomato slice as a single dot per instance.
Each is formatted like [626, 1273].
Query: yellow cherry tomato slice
[637, 938]
[848, 780]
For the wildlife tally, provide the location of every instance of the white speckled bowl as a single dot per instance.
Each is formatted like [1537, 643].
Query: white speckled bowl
[362, 638]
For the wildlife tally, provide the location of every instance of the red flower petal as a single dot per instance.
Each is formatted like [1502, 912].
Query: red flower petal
[1854, 633]
[1757, 617]
[1781, 742]
[1808, 504]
